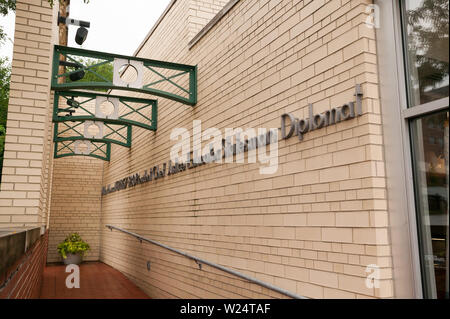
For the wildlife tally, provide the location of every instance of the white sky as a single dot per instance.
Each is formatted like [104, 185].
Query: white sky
[7, 24]
[117, 26]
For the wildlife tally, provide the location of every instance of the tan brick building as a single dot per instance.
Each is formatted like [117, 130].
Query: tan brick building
[347, 203]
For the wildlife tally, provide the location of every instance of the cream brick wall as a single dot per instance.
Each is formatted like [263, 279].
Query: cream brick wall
[24, 195]
[76, 203]
[201, 12]
[311, 228]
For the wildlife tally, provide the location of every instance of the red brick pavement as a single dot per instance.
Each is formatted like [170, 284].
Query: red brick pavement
[97, 281]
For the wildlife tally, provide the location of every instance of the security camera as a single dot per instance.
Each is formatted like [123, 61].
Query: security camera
[81, 35]
[82, 32]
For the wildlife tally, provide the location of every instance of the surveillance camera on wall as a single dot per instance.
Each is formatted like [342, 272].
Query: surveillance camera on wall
[81, 35]
[82, 31]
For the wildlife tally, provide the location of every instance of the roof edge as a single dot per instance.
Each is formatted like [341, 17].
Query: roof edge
[149, 34]
[212, 23]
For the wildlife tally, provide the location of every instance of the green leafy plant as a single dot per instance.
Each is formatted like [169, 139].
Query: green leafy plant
[5, 7]
[73, 244]
[5, 76]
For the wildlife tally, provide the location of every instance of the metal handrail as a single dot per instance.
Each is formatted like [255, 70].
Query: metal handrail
[200, 261]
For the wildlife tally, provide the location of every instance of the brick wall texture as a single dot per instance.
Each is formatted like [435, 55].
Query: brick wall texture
[201, 12]
[76, 204]
[24, 279]
[312, 227]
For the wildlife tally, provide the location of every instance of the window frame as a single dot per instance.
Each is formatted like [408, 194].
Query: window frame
[424, 108]
[409, 114]
[394, 95]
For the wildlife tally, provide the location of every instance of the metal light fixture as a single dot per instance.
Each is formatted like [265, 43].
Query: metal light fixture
[71, 102]
[76, 76]
[82, 31]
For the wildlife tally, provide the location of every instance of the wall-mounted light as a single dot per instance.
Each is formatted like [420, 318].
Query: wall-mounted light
[82, 32]
[71, 102]
[76, 76]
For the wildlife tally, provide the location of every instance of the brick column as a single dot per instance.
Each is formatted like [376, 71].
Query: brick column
[26, 167]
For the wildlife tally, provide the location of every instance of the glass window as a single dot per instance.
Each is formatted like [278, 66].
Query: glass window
[426, 44]
[425, 24]
[431, 184]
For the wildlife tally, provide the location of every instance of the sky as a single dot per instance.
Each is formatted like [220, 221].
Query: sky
[7, 24]
[117, 26]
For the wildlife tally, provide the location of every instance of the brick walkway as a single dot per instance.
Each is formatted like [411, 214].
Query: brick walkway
[97, 281]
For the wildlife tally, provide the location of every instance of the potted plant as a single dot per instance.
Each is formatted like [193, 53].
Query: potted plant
[72, 249]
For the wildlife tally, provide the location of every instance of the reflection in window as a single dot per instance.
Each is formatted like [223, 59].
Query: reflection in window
[432, 182]
[427, 45]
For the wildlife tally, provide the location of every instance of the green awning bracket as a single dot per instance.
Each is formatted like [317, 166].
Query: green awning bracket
[75, 68]
[110, 109]
[83, 147]
[94, 131]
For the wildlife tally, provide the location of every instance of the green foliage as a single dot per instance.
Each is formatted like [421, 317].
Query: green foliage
[105, 70]
[5, 7]
[5, 76]
[73, 244]
[2, 145]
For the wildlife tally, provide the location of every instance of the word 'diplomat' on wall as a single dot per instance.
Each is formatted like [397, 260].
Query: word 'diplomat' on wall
[300, 127]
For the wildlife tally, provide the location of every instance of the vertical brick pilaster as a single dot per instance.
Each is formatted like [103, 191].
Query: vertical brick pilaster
[26, 167]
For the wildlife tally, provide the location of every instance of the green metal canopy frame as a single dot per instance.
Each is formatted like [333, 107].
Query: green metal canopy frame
[74, 112]
[79, 130]
[100, 150]
[83, 69]
[82, 106]
[174, 81]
